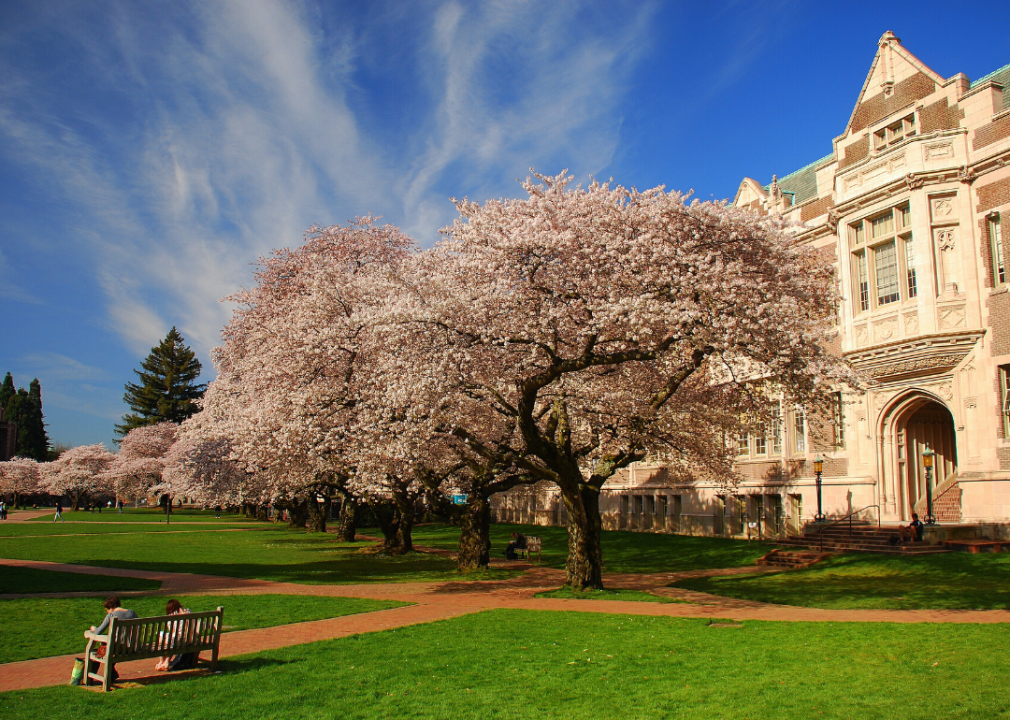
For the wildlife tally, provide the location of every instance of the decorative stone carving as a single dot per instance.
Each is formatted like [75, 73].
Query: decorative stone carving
[914, 365]
[970, 403]
[911, 323]
[833, 219]
[912, 182]
[881, 399]
[952, 317]
[885, 329]
[967, 175]
[942, 207]
[944, 390]
[933, 151]
[861, 335]
[945, 239]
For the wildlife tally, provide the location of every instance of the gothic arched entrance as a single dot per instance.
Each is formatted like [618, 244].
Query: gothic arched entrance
[913, 423]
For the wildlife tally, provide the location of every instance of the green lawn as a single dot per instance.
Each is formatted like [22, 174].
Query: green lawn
[28, 580]
[861, 580]
[623, 552]
[268, 553]
[147, 514]
[638, 595]
[100, 528]
[41, 628]
[520, 665]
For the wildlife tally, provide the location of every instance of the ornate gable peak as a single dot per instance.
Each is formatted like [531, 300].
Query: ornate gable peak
[896, 79]
[750, 191]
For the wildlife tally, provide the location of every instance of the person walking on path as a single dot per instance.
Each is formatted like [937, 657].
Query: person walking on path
[59, 512]
[3, 510]
[120, 506]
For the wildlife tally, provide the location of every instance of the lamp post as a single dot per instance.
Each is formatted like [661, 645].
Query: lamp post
[927, 461]
[818, 469]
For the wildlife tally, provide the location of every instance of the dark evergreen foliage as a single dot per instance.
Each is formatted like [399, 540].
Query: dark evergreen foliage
[24, 408]
[7, 391]
[167, 388]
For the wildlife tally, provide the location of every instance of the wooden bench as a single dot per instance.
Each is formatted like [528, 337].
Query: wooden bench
[533, 544]
[152, 637]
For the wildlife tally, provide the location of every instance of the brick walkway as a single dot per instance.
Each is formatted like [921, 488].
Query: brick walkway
[439, 601]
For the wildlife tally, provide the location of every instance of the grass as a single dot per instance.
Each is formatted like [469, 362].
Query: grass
[623, 552]
[101, 528]
[951, 581]
[145, 514]
[520, 664]
[618, 594]
[41, 628]
[266, 553]
[29, 580]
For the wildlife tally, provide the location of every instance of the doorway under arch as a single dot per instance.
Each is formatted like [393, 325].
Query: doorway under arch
[916, 422]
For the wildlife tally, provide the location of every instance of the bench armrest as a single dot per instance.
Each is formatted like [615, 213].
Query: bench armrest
[96, 638]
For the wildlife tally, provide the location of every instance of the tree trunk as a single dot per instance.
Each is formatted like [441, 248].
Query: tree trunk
[585, 556]
[475, 534]
[405, 509]
[261, 513]
[388, 518]
[297, 514]
[247, 510]
[317, 514]
[348, 526]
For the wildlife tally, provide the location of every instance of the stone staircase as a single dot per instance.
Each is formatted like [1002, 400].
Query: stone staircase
[865, 537]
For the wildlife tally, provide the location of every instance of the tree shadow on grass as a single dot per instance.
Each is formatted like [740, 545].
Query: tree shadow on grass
[348, 568]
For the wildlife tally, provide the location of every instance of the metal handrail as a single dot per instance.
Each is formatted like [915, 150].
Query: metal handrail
[820, 531]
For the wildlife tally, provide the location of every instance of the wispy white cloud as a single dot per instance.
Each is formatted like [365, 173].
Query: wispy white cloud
[54, 366]
[239, 123]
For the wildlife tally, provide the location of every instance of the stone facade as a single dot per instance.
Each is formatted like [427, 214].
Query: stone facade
[910, 210]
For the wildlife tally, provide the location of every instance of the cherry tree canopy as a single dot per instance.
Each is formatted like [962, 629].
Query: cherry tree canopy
[292, 374]
[610, 324]
[19, 476]
[78, 473]
[140, 461]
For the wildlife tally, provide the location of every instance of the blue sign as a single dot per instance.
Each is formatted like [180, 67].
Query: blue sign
[459, 499]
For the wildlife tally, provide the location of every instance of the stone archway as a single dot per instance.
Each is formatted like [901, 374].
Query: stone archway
[915, 421]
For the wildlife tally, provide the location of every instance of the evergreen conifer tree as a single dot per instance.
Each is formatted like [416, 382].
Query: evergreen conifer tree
[167, 388]
[24, 408]
[7, 391]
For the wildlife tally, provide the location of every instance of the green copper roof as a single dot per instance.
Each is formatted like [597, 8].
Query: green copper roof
[802, 183]
[1002, 76]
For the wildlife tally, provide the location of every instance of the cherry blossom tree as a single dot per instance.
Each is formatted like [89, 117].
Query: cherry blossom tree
[78, 474]
[19, 476]
[140, 461]
[291, 378]
[206, 473]
[611, 325]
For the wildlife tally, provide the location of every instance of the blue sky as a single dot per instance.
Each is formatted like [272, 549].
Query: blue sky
[150, 152]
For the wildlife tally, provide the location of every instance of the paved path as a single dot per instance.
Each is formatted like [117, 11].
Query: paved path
[439, 601]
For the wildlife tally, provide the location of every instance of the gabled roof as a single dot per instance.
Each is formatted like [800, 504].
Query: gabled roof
[896, 78]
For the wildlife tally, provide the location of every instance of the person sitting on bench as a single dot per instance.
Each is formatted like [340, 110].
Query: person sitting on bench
[913, 531]
[113, 609]
[518, 543]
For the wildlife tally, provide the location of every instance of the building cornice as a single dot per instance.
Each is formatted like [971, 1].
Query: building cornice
[925, 355]
[912, 181]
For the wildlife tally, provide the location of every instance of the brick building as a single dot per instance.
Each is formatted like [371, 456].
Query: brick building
[908, 207]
